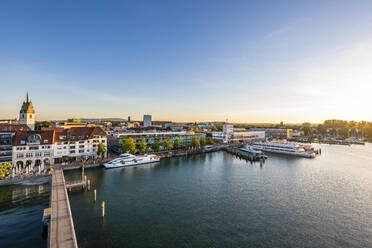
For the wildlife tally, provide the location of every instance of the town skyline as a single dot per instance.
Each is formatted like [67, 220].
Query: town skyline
[189, 61]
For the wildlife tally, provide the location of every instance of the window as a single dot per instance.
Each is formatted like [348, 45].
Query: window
[20, 155]
[88, 150]
[72, 137]
[72, 152]
[45, 141]
[65, 143]
[81, 137]
[59, 143]
[29, 155]
[23, 142]
[81, 151]
[62, 137]
[37, 154]
[46, 154]
[81, 146]
[72, 147]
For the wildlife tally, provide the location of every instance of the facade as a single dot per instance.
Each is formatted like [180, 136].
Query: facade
[230, 134]
[7, 133]
[276, 133]
[6, 147]
[184, 137]
[32, 151]
[27, 114]
[78, 143]
[147, 121]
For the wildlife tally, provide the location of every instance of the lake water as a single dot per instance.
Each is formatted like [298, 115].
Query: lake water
[211, 200]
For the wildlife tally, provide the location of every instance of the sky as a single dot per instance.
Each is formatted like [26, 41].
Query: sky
[245, 61]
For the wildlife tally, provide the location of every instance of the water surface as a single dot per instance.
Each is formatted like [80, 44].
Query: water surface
[217, 200]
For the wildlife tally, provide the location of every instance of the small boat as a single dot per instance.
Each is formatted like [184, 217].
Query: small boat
[126, 160]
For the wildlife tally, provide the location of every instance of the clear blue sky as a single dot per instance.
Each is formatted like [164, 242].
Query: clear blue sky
[249, 61]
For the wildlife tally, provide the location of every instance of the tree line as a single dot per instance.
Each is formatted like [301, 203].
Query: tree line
[129, 145]
[342, 128]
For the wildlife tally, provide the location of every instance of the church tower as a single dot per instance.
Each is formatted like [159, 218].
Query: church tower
[27, 114]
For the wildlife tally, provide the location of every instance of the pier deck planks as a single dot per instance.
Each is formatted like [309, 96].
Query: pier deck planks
[62, 232]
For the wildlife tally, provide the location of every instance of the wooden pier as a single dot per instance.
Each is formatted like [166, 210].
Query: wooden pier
[61, 225]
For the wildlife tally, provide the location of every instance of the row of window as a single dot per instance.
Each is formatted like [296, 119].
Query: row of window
[80, 142]
[31, 155]
[23, 148]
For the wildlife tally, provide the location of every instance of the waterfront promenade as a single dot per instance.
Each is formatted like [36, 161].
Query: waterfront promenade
[61, 231]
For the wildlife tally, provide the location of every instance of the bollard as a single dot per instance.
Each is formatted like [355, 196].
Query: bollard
[261, 162]
[95, 195]
[88, 185]
[82, 172]
[103, 209]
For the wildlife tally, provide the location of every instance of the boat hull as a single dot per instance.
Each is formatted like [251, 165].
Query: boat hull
[303, 155]
[120, 165]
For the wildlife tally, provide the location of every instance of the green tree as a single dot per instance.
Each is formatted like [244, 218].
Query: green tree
[5, 169]
[167, 145]
[214, 128]
[177, 143]
[307, 131]
[101, 151]
[129, 146]
[210, 141]
[195, 142]
[142, 146]
[220, 128]
[155, 146]
[196, 130]
[202, 141]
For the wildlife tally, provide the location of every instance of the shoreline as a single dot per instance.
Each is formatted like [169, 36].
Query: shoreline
[164, 154]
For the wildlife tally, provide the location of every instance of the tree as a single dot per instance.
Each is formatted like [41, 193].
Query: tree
[214, 128]
[101, 151]
[307, 131]
[5, 169]
[155, 146]
[220, 128]
[195, 142]
[129, 146]
[177, 143]
[167, 144]
[210, 141]
[202, 141]
[196, 130]
[142, 146]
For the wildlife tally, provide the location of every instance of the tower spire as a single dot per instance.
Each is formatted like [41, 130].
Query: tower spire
[27, 96]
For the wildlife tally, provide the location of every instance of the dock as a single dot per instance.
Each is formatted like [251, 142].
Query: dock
[243, 155]
[61, 225]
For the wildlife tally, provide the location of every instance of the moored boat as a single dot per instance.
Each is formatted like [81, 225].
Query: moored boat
[126, 160]
[283, 148]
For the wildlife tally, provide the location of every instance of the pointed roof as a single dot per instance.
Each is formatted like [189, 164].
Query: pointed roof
[27, 106]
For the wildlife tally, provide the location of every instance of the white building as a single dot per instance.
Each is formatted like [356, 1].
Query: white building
[32, 151]
[147, 121]
[228, 135]
[78, 142]
[27, 114]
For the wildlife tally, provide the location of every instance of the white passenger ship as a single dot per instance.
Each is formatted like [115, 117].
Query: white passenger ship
[127, 159]
[283, 148]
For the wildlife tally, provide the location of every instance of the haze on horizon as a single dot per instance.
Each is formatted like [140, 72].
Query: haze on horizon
[248, 61]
